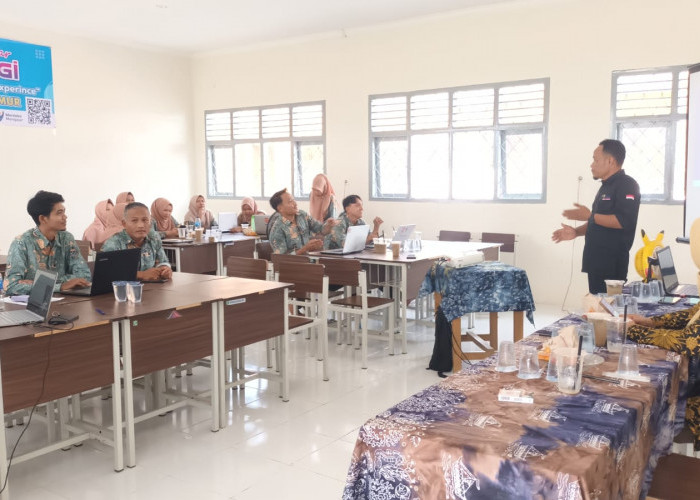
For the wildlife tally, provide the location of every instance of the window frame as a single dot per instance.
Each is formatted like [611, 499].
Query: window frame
[295, 142]
[499, 131]
[669, 122]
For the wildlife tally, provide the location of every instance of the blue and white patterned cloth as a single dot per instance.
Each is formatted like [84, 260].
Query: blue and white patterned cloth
[485, 287]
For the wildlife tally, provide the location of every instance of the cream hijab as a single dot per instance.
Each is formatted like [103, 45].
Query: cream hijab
[204, 215]
[322, 195]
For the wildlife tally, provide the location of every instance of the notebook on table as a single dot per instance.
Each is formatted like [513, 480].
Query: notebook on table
[355, 240]
[669, 278]
[37, 305]
[119, 265]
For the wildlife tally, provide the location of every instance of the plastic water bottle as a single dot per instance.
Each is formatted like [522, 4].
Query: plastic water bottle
[252, 223]
[197, 223]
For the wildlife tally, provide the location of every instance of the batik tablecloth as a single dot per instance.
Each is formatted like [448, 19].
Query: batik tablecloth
[485, 287]
[455, 441]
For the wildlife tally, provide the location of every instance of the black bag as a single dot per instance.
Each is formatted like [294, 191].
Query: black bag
[441, 361]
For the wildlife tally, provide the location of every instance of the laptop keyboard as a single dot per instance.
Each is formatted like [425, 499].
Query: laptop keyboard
[9, 318]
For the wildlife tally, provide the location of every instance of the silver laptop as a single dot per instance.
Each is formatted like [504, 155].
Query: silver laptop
[227, 220]
[261, 224]
[355, 240]
[669, 278]
[404, 232]
[38, 304]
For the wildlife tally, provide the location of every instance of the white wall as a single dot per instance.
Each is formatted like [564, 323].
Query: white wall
[124, 122]
[576, 43]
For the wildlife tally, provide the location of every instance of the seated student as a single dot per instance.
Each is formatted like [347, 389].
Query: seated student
[248, 209]
[680, 332]
[295, 232]
[322, 203]
[137, 233]
[351, 216]
[162, 219]
[199, 210]
[96, 233]
[48, 247]
[115, 217]
[125, 197]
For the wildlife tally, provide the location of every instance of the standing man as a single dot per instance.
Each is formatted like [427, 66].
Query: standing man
[611, 223]
[48, 247]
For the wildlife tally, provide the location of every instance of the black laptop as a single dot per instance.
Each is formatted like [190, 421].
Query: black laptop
[119, 265]
[669, 278]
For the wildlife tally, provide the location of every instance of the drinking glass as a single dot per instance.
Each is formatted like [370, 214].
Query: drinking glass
[569, 370]
[119, 288]
[628, 364]
[506, 356]
[529, 364]
[134, 291]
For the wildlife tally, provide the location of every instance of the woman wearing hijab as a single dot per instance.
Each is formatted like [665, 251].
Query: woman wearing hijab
[248, 209]
[97, 232]
[322, 204]
[199, 210]
[114, 220]
[125, 197]
[162, 219]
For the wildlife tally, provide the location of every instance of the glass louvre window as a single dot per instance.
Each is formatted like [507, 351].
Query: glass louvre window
[649, 109]
[258, 151]
[481, 143]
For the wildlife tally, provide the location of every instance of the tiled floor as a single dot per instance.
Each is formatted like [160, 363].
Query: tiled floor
[270, 450]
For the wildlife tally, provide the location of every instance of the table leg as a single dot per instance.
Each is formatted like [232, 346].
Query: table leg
[220, 259]
[403, 276]
[5, 494]
[128, 394]
[493, 330]
[215, 368]
[456, 345]
[517, 326]
[117, 418]
[222, 365]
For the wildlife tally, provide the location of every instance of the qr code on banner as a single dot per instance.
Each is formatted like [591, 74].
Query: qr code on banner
[39, 111]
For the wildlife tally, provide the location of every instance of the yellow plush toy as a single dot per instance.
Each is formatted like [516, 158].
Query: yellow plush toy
[641, 258]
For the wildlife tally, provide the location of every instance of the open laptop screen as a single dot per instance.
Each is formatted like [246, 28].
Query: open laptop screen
[40, 296]
[667, 268]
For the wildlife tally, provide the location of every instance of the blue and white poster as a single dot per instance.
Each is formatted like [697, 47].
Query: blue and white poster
[26, 85]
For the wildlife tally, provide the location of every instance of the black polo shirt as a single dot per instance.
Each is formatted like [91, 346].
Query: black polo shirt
[607, 250]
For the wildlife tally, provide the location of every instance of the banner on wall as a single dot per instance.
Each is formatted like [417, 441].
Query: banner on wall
[26, 85]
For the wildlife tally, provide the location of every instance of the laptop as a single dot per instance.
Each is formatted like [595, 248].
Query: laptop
[404, 232]
[37, 305]
[355, 240]
[227, 220]
[669, 278]
[261, 224]
[119, 265]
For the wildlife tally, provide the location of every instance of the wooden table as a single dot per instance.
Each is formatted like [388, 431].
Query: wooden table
[202, 257]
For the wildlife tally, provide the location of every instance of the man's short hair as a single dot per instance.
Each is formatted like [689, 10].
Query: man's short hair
[614, 148]
[134, 204]
[276, 199]
[42, 204]
[349, 200]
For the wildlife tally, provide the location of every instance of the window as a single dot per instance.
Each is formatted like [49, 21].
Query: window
[649, 117]
[470, 143]
[258, 151]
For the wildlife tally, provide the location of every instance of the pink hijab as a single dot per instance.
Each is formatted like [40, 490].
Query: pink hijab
[204, 215]
[163, 223]
[96, 233]
[114, 220]
[319, 203]
[121, 197]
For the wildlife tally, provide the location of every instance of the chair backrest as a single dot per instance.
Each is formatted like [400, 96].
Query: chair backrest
[306, 278]
[245, 267]
[454, 235]
[507, 240]
[342, 271]
[264, 250]
[84, 246]
[240, 248]
[278, 258]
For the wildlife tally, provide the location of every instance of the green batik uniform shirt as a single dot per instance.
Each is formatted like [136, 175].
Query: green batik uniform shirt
[152, 253]
[286, 238]
[336, 238]
[31, 251]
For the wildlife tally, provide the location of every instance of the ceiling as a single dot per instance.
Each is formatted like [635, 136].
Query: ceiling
[189, 26]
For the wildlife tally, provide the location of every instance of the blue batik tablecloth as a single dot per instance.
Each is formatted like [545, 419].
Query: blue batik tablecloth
[485, 287]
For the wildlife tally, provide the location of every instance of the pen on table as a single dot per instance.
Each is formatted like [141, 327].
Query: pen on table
[602, 379]
[100, 311]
